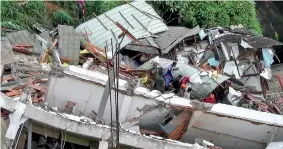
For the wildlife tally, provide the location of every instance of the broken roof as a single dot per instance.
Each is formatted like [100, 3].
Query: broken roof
[82, 126]
[7, 54]
[138, 17]
[254, 41]
[25, 37]
[208, 84]
[148, 46]
[164, 41]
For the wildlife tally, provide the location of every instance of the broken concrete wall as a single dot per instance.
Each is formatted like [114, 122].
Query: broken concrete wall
[232, 132]
[90, 130]
[86, 96]
[223, 125]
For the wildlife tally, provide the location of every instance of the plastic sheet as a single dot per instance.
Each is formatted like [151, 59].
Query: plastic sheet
[234, 96]
[266, 73]
[231, 69]
[202, 34]
[16, 119]
[213, 62]
[267, 57]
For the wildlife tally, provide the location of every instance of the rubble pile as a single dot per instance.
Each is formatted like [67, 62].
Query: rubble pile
[243, 56]
[63, 70]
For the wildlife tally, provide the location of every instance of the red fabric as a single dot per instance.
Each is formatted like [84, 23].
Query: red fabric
[209, 100]
[185, 80]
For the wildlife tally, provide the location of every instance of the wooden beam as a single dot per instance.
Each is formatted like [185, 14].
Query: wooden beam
[125, 31]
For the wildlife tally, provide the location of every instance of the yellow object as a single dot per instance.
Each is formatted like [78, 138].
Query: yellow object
[215, 74]
[45, 57]
[85, 51]
[65, 65]
[144, 79]
[49, 58]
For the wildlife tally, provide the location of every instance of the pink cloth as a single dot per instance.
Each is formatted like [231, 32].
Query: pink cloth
[185, 80]
[81, 1]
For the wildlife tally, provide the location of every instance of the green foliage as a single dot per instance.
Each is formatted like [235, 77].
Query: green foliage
[62, 17]
[36, 12]
[276, 36]
[204, 13]
[108, 5]
[10, 25]
[92, 7]
[26, 15]
[212, 13]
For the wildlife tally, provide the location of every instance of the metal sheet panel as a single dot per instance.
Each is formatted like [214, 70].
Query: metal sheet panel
[169, 39]
[254, 41]
[165, 41]
[100, 33]
[251, 81]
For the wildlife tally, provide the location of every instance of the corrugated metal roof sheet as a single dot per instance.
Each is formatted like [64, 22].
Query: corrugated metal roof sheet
[100, 34]
[204, 89]
[242, 31]
[165, 41]
[148, 46]
[254, 41]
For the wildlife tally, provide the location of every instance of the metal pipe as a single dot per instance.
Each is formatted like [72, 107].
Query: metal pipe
[18, 136]
[29, 134]
[126, 19]
[100, 21]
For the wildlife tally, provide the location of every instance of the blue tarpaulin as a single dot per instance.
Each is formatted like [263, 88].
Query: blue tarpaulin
[213, 62]
[267, 57]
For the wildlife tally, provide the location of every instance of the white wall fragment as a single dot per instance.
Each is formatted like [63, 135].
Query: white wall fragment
[16, 119]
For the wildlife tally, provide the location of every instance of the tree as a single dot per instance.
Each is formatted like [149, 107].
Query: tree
[208, 13]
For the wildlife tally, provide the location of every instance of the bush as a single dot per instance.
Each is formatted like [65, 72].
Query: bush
[25, 15]
[62, 17]
[36, 12]
[210, 13]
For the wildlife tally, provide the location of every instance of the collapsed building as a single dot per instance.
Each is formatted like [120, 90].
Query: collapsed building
[56, 95]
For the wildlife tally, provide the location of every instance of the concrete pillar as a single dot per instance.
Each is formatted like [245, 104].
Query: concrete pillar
[107, 90]
[103, 144]
[29, 134]
[3, 132]
[93, 145]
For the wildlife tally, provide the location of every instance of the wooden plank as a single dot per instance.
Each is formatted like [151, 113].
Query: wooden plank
[125, 31]
[13, 93]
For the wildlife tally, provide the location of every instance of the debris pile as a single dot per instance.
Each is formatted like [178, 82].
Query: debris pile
[243, 56]
[130, 49]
